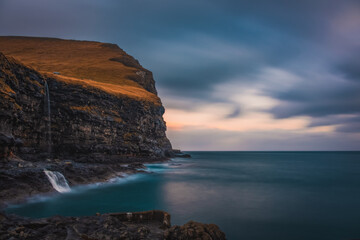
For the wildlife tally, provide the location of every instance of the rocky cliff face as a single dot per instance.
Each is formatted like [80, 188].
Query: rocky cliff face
[86, 119]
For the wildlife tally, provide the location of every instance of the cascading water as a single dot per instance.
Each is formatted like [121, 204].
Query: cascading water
[58, 181]
[48, 110]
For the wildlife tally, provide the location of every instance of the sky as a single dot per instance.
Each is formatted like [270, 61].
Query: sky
[232, 74]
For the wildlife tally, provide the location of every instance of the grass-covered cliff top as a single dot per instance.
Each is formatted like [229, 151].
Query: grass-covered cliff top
[87, 63]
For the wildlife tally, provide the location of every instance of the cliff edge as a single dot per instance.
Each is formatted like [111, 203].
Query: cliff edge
[102, 102]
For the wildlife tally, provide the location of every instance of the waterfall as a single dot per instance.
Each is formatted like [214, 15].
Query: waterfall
[58, 181]
[48, 110]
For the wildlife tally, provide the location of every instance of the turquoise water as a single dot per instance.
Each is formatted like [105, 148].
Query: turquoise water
[250, 195]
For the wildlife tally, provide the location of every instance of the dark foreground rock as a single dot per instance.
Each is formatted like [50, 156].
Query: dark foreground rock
[194, 230]
[142, 225]
[182, 155]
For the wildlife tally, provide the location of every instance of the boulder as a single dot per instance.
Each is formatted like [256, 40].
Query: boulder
[194, 230]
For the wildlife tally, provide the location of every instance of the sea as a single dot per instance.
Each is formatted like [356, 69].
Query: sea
[249, 195]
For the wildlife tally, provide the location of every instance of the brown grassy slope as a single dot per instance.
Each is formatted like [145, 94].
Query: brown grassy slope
[80, 62]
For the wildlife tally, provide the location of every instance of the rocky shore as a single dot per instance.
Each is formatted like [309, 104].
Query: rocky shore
[127, 226]
[22, 179]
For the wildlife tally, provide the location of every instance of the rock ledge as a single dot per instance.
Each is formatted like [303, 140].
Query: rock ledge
[128, 226]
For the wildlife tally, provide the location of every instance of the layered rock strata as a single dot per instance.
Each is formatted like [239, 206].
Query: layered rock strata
[85, 120]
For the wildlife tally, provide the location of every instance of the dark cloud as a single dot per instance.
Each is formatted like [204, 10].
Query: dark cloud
[193, 46]
[199, 78]
[328, 101]
[334, 120]
[351, 67]
[236, 112]
[344, 123]
[322, 104]
[353, 127]
[265, 28]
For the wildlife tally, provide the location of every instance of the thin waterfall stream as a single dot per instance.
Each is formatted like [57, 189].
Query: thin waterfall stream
[57, 180]
[47, 109]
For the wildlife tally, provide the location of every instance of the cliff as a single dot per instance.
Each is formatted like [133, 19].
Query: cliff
[103, 103]
[83, 109]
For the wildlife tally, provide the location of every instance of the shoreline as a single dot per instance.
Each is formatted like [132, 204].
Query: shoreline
[24, 180]
[151, 224]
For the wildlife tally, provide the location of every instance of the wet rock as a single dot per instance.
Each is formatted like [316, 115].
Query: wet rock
[20, 179]
[182, 155]
[178, 153]
[19, 142]
[7, 140]
[194, 230]
[106, 226]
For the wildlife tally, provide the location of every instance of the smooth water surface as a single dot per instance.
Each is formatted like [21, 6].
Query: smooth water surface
[250, 195]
